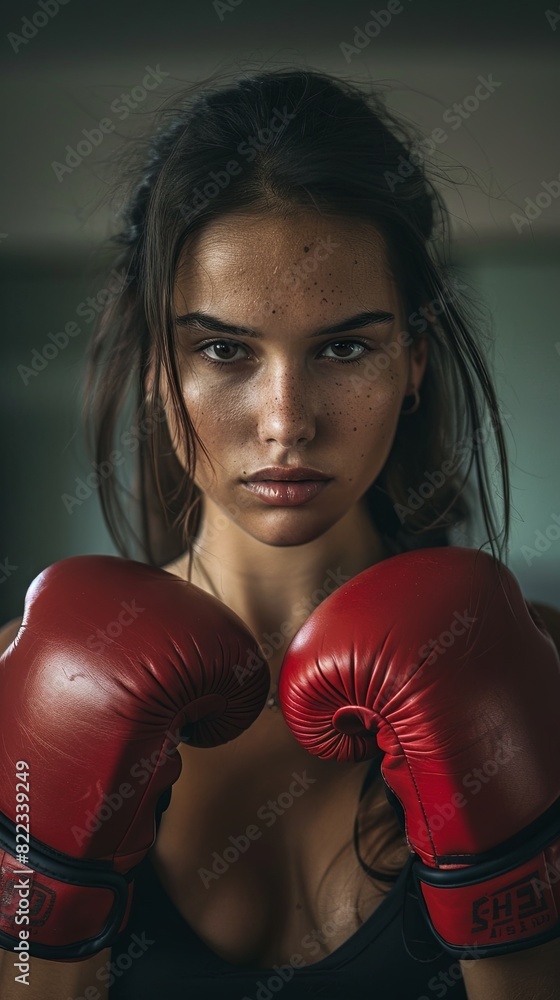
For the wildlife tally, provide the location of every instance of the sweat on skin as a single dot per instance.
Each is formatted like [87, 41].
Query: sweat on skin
[285, 397]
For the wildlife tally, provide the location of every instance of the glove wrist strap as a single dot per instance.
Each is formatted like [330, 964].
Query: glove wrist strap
[71, 908]
[500, 905]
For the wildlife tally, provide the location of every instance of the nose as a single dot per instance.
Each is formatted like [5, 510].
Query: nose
[286, 407]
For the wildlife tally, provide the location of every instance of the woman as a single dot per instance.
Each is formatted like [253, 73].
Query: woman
[288, 313]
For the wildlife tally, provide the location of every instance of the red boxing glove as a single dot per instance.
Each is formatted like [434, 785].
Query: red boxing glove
[434, 657]
[115, 663]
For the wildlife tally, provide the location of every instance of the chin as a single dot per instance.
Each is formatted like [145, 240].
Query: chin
[282, 536]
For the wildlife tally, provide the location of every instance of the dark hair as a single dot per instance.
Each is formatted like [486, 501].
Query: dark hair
[340, 151]
[343, 153]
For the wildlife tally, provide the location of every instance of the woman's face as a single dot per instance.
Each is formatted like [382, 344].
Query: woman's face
[287, 392]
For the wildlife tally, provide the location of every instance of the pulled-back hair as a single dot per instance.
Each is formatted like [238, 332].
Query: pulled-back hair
[339, 151]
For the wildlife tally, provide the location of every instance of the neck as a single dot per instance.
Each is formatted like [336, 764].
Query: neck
[274, 589]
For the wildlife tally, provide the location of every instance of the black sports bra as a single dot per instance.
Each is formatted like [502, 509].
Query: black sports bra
[392, 956]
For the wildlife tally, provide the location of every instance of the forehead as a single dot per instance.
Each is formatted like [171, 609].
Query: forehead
[286, 263]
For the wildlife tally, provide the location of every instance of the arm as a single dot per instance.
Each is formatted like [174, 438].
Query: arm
[54, 980]
[8, 633]
[533, 974]
[524, 975]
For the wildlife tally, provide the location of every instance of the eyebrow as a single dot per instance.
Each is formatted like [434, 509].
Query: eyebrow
[209, 322]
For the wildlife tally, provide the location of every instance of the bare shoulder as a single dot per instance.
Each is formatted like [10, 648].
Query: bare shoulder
[551, 618]
[177, 567]
[8, 632]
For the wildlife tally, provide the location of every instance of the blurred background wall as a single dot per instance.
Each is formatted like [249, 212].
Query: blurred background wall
[65, 67]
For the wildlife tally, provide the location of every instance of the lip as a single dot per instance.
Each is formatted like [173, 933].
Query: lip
[286, 473]
[290, 493]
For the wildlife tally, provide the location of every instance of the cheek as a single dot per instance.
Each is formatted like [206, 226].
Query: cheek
[366, 420]
[367, 406]
[197, 410]
[211, 415]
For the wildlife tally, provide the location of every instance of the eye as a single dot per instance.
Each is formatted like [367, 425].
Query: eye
[230, 346]
[347, 345]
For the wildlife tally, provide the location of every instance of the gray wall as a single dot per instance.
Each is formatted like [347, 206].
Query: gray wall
[66, 78]
[520, 284]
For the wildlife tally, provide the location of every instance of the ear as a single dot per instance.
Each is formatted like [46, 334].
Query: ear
[418, 360]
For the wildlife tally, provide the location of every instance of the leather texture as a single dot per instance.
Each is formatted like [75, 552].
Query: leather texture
[435, 658]
[114, 665]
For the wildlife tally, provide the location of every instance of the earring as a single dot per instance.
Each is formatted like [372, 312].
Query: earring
[414, 407]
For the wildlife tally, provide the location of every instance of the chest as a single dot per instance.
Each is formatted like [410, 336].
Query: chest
[256, 849]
